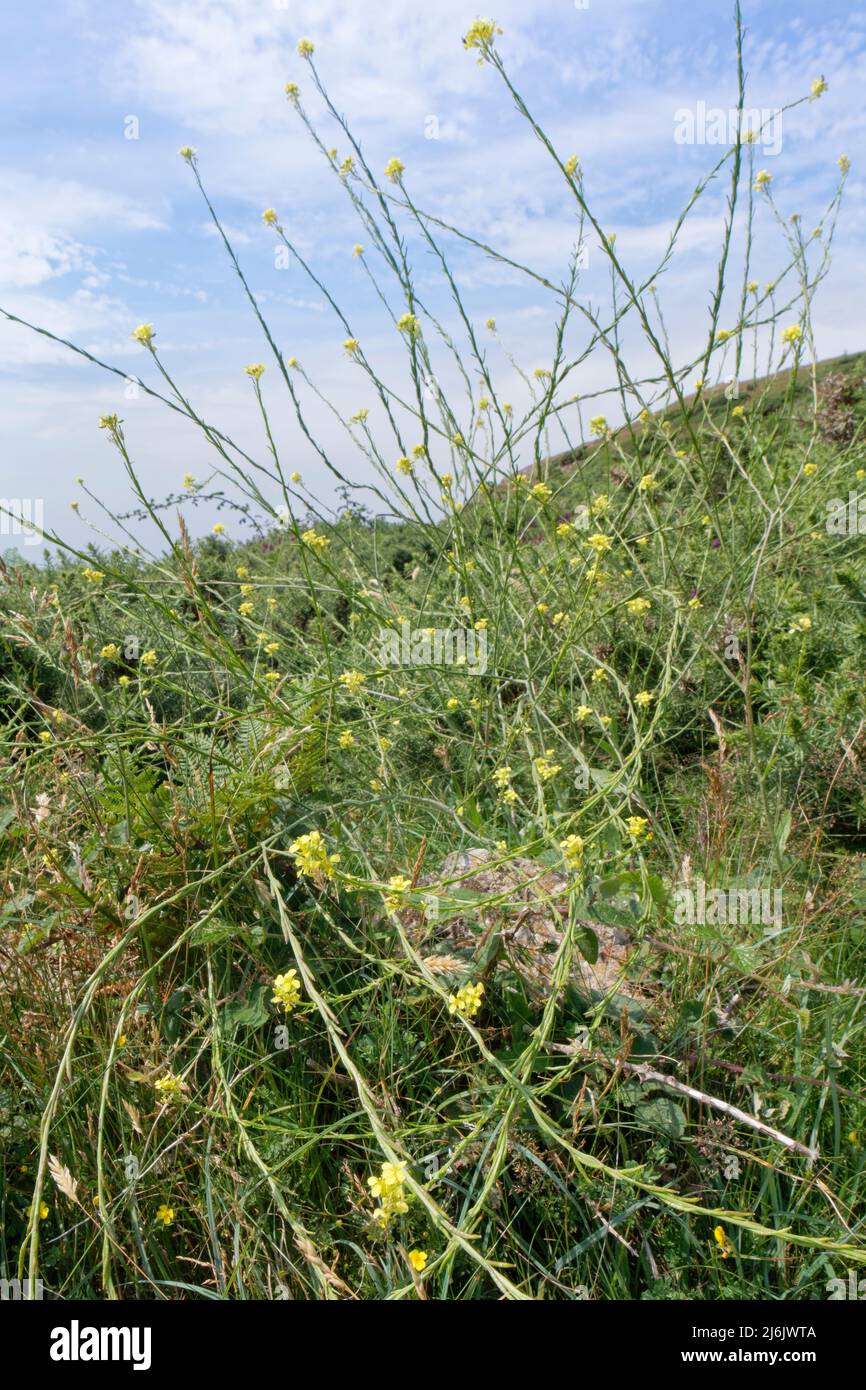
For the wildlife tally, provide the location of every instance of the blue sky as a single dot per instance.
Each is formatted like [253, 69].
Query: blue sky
[99, 232]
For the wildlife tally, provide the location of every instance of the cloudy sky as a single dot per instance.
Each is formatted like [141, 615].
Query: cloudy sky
[102, 227]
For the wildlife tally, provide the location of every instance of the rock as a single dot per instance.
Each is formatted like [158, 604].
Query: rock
[530, 918]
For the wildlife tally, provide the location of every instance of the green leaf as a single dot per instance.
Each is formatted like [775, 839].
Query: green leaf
[662, 1114]
[251, 1012]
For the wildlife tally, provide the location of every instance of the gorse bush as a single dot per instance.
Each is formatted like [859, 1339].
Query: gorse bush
[340, 951]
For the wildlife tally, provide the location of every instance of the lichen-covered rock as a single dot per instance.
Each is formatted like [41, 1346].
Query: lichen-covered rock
[525, 904]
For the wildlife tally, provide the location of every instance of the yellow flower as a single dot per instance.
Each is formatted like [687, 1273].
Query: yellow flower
[418, 1260]
[467, 1000]
[636, 606]
[346, 739]
[647, 483]
[242, 572]
[546, 769]
[644, 698]
[541, 492]
[292, 91]
[256, 370]
[570, 165]
[819, 87]
[844, 163]
[351, 345]
[287, 991]
[404, 465]
[738, 411]
[357, 249]
[792, 334]
[306, 48]
[598, 424]
[149, 658]
[218, 528]
[762, 180]
[582, 712]
[269, 217]
[722, 1241]
[599, 674]
[43, 1211]
[45, 736]
[186, 152]
[407, 323]
[311, 856]
[572, 848]
[165, 1214]
[600, 543]
[636, 826]
[188, 482]
[353, 680]
[295, 477]
[398, 887]
[314, 541]
[388, 1187]
[600, 503]
[246, 609]
[170, 1087]
[481, 34]
[810, 469]
[394, 170]
[123, 680]
[143, 334]
[110, 652]
[272, 647]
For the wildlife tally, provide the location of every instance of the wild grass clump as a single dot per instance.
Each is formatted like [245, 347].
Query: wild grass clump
[245, 1052]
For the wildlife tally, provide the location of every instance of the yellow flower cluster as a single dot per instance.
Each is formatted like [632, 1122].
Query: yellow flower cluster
[389, 1190]
[353, 680]
[287, 990]
[169, 1087]
[467, 1000]
[572, 848]
[398, 887]
[314, 541]
[481, 34]
[311, 856]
